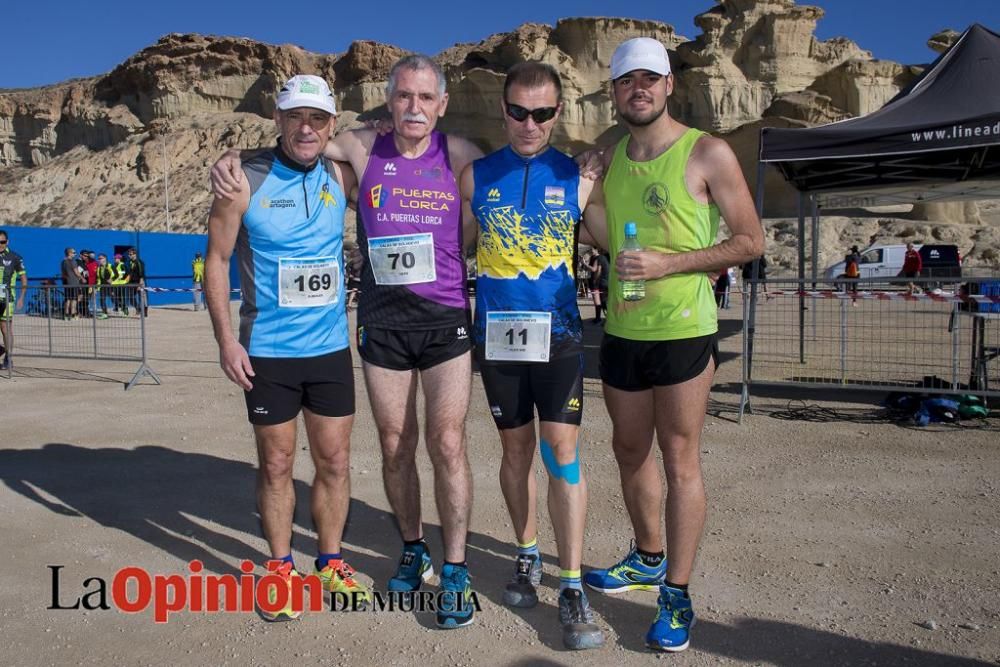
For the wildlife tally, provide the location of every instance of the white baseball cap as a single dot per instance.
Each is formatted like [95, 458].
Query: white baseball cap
[306, 90]
[640, 53]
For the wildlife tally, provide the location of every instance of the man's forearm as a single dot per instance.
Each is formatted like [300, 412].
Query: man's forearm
[217, 298]
[734, 251]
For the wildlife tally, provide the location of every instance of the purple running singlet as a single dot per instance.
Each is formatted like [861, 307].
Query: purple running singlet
[410, 234]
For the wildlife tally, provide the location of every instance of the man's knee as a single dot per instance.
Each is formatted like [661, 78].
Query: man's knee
[333, 464]
[276, 466]
[631, 453]
[562, 460]
[446, 447]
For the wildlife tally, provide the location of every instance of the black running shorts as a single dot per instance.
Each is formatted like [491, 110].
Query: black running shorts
[515, 390]
[400, 350]
[282, 387]
[637, 365]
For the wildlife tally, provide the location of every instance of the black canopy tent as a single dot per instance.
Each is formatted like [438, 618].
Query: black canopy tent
[938, 139]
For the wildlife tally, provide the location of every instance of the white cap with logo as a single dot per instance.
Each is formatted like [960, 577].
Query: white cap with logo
[306, 90]
[640, 53]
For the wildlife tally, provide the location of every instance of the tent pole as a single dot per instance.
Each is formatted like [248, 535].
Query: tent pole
[815, 239]
[750, 309]
[800, 287]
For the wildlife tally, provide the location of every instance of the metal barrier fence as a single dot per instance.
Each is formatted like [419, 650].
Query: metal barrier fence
[107, 323]
[878, 336]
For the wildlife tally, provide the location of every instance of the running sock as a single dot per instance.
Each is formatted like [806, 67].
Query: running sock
[415, 543]
[529, 549]
[650, 558]
[681, 587]
[287, 559]
[462, 564]
[569, 579]
[322, 560]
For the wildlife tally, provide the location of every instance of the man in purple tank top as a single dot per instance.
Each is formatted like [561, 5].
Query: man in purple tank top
[413, 314]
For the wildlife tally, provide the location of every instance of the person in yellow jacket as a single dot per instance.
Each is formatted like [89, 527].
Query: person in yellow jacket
[105, 277]
[197, 278]
[119, 280]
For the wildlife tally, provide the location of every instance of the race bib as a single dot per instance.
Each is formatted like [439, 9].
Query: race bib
[309, 282]
[518, 336]
[402, 260]
[3, 293]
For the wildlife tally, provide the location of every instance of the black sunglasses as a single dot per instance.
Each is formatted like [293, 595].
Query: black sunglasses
[539, 115]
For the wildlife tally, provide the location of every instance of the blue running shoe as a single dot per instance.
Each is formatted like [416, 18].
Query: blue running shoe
[629, 574]
[671, 629]
[456, 604]
[415, 567]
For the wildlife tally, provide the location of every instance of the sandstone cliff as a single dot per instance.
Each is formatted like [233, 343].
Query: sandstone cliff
[99, 152]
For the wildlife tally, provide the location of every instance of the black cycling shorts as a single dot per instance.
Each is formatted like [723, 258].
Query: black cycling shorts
[282, 387]
[401, 350]
[515, 390]
[637, 365]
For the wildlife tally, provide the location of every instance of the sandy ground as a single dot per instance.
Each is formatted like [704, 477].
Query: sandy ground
[830, 540]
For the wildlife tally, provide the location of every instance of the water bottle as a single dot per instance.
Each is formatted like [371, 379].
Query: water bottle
[632, 290]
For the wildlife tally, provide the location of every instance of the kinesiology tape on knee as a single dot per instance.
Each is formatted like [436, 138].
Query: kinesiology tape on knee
[569, 472]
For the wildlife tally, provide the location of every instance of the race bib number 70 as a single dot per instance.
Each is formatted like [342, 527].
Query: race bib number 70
[402, 260]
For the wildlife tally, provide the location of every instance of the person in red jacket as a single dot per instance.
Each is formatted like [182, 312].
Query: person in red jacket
[911, 266]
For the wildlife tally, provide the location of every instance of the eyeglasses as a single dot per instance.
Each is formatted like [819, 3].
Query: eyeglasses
[539, 115]
[3, 242]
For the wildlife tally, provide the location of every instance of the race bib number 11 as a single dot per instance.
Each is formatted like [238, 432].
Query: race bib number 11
[518, 336]
[308, 282]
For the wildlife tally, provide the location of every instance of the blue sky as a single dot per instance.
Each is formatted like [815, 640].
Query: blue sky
[47, 42]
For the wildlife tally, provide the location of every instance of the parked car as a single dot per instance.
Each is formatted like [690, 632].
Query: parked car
[882, 263]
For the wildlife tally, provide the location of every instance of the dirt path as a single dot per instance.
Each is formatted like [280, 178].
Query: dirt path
[827, 543]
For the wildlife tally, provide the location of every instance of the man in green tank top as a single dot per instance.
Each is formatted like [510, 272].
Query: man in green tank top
[659, 353]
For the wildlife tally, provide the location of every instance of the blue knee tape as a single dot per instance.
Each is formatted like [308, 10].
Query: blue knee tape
[569, 472]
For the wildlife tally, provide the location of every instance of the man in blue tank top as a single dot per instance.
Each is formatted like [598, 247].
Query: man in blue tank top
[293, 350]
[524, 202]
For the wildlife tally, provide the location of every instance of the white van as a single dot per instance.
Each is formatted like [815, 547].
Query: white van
[882, 262]
[878, 261]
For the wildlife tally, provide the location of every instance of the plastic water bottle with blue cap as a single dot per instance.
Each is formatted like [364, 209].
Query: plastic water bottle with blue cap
[632, 290]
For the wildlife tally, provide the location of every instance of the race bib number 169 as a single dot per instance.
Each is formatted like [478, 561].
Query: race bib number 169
[308, 282]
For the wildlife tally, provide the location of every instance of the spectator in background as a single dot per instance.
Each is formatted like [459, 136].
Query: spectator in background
[88, 303]
[583, 276]
[105, 278]
[119, 279]
[912, 264]
[761, 276]
[11, 267]
[197, 278]
[722, 285]
[72, 278]
[600, 269]
[137, 282]
[852, 271]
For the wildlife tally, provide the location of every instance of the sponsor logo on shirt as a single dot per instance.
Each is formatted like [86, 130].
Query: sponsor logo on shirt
[493, 195]
[376, 197]
[656, 198]
[390, 169]
[277, 203]
[555, 195]
[326, 197]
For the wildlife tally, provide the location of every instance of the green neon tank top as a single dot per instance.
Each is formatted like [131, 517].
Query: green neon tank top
[668, 219]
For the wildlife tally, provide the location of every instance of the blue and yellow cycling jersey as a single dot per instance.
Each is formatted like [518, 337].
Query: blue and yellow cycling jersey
[528, 211]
